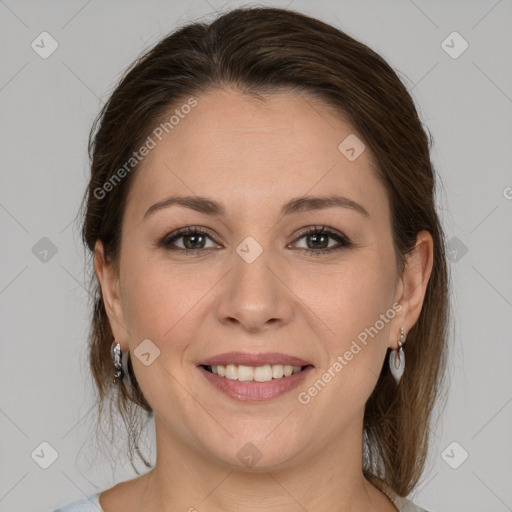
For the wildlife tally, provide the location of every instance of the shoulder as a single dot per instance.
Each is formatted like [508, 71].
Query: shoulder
[405, 505]
[89, 504]
[401, 503]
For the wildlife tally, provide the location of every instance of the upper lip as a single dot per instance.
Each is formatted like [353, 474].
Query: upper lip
[248, 359]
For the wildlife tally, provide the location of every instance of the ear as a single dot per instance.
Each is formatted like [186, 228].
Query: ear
[413, 284]
[109, 281]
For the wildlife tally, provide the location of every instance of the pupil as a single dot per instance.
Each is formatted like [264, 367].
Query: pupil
[316, 237]
[194, 238]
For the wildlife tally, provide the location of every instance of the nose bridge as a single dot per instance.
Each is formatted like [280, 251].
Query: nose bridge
[252, 295]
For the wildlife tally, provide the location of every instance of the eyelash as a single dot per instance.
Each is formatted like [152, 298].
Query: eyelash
[196, 230]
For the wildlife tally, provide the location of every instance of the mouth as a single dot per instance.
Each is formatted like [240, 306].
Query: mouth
[247, 377]
[249, 367]
[265, 373]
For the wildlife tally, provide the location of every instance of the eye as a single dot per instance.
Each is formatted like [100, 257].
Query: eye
[317, 241]
[192, 239]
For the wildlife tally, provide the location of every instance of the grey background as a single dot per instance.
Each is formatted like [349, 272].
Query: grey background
[47, 107]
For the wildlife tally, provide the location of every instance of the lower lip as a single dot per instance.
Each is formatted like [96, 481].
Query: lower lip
[256, 391]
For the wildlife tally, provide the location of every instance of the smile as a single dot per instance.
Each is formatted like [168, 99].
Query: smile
[245, 373]
[261, 382]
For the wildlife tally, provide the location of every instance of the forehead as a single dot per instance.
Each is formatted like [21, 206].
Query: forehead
[249, 153]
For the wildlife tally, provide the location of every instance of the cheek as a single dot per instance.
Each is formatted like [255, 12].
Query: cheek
[351, 292]
[353, 306]
[160, 304]
[350, 302]
[161, 297]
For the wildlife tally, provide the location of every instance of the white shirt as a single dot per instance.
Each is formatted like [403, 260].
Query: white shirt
[92, 504]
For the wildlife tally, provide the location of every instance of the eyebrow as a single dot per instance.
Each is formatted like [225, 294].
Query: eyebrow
[295, 205]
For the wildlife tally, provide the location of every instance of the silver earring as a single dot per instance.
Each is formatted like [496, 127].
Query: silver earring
[117, 358]
[397, 358]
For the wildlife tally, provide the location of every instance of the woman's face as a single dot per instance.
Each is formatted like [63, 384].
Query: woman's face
[257, 282]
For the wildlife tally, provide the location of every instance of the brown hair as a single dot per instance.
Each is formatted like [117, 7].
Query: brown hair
[264, 50]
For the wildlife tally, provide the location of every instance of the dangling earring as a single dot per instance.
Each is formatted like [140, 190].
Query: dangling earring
[397, 358]
[117, 358]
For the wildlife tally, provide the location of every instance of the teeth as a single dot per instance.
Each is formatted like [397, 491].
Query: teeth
[277, 371]
[251, 373]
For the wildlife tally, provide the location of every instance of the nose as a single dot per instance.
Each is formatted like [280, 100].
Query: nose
[254, 294]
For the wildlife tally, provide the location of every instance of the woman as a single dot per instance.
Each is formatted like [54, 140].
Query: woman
[271, 283]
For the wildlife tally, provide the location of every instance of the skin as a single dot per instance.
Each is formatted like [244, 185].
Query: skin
[253, 156]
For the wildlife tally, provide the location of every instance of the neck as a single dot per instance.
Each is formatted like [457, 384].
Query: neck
[185, 478]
